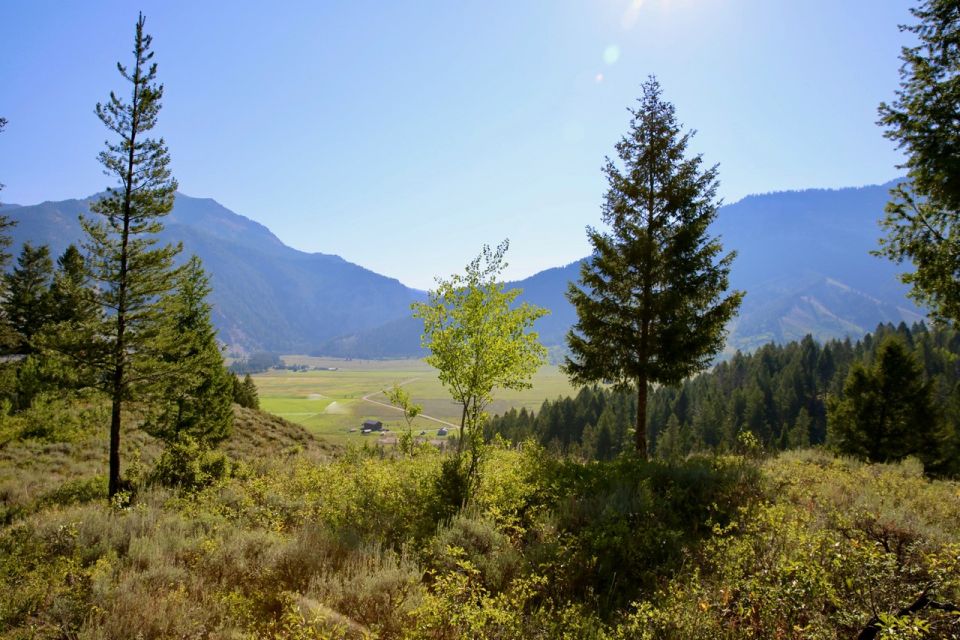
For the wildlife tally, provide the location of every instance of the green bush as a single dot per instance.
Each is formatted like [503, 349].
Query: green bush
[189, 465]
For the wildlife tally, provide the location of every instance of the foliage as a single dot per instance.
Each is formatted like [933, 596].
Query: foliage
[886, 412]
[190, 464]
[256, 363]
[923, 217]
[778, 394]
[400, 398]
[29, 304]
[479, 341]
[195, 397]
[293, 543]
[245, 392]
[123, 351]
[651, 303]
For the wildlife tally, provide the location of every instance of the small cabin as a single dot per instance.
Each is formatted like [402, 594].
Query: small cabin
[442, 431]
[372, 425]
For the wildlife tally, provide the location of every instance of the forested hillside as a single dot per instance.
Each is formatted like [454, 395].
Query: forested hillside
[778, 394]
[266, 296]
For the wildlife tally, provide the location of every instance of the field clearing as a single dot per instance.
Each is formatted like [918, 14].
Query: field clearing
[330, 402]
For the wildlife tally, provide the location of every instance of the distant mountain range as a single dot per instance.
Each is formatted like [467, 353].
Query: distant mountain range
[266, 295]
[803, 259]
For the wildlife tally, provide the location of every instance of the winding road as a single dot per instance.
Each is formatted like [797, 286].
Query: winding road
[367, 398]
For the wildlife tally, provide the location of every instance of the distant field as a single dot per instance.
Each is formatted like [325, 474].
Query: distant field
[330, 403]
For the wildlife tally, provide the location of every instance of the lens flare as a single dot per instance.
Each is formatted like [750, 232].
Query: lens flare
[632, 14]
[611, 54]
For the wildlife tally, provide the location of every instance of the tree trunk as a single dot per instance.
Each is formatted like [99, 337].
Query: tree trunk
[463, 421]
[114, 482]
[640, 437]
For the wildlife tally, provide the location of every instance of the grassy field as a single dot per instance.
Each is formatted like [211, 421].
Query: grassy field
[331, 403]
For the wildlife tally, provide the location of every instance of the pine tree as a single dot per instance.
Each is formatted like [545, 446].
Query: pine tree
[28, 305]
[923, 218]
[249, 392]
[72, 298]
[650, 304]
[195, 397]
[886, 412]
[131, 274]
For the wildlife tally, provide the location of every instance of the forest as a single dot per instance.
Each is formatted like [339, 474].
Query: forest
[802, 490]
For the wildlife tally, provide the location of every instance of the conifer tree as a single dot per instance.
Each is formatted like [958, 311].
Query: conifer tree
[130, 272]
[28, 305]
[923, 217]
[886, 412]
[195, 397]
[72, 298]
[651, 302]
[245, 392]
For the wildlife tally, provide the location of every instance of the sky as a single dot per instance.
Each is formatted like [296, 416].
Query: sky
[403, 136]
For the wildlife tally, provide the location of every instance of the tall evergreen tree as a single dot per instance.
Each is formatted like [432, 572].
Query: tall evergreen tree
[195, 397]
[886, 412]
[131, 273]
[72, 298]
[28, 305]
[652, 302]
[923, 217]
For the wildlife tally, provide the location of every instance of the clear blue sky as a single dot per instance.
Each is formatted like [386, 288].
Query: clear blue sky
[404, 135]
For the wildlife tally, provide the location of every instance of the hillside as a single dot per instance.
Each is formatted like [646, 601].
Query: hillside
[266, 295]
[295, 543]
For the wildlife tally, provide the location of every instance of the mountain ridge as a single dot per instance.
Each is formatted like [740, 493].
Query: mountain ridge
[803, 259]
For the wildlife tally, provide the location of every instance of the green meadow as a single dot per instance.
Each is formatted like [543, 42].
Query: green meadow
[330, 403]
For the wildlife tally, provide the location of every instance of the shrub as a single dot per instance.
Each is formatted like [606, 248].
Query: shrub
[189, 465]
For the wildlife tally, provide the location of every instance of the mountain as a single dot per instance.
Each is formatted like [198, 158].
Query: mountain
[803, 258]
[266, 295]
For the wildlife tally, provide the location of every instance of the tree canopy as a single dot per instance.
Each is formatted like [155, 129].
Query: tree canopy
[652, 300]
[922, 219]
[479, 340]
[132, 274]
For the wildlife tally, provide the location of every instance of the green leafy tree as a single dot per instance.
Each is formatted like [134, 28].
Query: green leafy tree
[131, 274]
[651, 302]
[922, 219]
[400, 398]
[479, 341]
[195, 397]
[886, 412]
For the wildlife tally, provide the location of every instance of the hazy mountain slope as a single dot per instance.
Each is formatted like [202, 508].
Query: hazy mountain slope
[265, 295]
[803, 259]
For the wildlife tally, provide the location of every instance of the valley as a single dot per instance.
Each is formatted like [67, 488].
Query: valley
[329, 403]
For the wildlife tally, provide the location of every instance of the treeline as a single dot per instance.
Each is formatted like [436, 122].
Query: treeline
[43, 299]
[780, 395]
[124, 320]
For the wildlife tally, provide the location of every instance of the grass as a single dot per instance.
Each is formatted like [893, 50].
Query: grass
[330, 403]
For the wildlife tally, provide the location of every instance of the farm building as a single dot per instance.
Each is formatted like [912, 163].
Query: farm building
[372, 425]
